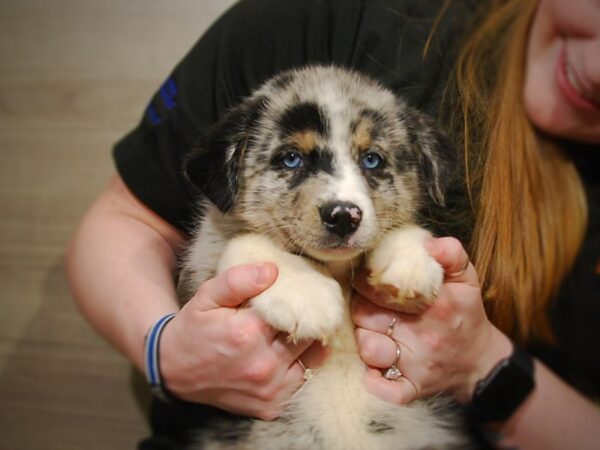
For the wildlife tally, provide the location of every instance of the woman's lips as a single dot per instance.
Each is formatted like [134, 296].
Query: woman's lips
[571, 85]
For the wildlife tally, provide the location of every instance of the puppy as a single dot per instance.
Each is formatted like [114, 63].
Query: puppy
[324, 171]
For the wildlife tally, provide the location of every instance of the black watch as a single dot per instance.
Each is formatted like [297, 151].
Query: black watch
[502, 391]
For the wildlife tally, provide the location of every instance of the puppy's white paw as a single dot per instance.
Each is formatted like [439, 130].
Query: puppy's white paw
[303, 302]
[401, 266]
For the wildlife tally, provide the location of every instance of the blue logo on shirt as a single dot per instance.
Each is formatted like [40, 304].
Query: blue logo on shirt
[168, 95]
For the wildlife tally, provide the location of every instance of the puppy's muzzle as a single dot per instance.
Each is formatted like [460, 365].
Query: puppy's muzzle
[341, 218]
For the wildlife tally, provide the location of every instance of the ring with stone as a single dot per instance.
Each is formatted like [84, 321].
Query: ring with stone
[393, 372]
[307, 372]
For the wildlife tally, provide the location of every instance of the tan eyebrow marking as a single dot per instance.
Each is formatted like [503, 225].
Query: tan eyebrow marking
[363, 138]
[305, 140]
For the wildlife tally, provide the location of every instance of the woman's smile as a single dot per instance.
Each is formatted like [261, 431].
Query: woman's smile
[572, 84]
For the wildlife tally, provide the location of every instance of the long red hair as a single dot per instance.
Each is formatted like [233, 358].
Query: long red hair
[527, 198]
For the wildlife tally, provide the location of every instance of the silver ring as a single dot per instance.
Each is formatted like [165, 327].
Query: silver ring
[393, 372]
[461, 271]
[307, 372]
[390, 328]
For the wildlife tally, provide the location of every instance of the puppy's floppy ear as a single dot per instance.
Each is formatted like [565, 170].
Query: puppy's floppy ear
[435, 154]
[213, 165]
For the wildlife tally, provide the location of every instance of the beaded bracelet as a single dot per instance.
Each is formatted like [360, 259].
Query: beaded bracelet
[151, 357]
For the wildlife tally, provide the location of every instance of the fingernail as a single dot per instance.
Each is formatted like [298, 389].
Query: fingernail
[262, 273]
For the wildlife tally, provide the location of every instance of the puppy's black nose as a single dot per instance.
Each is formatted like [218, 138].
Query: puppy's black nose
[341, 218]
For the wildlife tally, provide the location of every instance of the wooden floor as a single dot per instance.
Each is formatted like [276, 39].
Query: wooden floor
[75, 75]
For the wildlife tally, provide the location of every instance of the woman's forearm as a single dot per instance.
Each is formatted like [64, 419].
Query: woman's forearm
[554, 416]
[120, 267]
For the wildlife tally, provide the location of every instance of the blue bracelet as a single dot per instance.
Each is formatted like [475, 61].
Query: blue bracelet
[152, 358]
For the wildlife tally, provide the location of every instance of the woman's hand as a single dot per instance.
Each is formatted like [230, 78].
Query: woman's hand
[216, 353]
[448, 347]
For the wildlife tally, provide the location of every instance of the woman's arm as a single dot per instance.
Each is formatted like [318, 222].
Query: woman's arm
[121, 264]
[554, 416]
[451, 346]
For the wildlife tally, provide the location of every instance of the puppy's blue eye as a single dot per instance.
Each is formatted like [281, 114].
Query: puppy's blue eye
[292, 160]
[371, 160]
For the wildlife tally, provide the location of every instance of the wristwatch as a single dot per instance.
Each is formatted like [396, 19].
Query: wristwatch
[502, 391]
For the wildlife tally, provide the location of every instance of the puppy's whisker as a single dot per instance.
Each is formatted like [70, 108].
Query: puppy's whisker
[294, 241]
[263, 228]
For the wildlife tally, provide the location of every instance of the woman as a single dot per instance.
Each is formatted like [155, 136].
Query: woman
[523, 94]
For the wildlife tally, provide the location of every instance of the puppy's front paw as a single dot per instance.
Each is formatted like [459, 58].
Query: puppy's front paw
[401, 266]
[303, 302]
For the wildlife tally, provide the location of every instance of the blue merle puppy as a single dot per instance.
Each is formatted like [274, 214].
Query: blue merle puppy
[323, 171]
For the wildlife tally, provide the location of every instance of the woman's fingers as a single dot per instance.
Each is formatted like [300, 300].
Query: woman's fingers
[311, 353]
[384, 352]
[437, 345]
[380, 319]
[400, 391]
[315, 355]
[234, 286]
[447, 251]
[451, 255]
[362, 286]
[375, 349]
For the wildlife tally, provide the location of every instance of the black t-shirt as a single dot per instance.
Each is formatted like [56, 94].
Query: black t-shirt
[258, 38]
[383, 38]
[575, 313]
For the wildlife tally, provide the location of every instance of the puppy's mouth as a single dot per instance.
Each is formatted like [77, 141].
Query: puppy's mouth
[338, 252]
[323, 249]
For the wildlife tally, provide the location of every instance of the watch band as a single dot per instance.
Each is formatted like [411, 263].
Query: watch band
[504, 389]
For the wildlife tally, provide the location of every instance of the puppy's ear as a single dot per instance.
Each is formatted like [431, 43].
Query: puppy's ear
[214, 164]
[435, 154]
